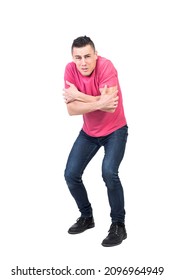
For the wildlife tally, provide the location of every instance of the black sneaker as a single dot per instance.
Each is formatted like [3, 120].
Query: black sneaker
[82, 224]
[117, 233]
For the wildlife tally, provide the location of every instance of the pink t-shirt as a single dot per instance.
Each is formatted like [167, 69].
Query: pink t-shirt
[98, 123]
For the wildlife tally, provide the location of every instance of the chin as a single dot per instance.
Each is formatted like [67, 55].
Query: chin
[86, 73]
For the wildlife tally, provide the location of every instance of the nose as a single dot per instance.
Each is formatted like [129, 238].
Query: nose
[83, 61]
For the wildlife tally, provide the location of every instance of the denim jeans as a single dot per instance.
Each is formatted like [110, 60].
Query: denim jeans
[84, 149]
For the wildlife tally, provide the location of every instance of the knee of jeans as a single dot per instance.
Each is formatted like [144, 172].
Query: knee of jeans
[68, 175]
[71, 176]
[109, 177]
[107, 174]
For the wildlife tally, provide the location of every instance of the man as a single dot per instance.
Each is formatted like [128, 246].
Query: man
[92, 89]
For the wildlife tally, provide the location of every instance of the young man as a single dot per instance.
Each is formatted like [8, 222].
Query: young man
[92, 89]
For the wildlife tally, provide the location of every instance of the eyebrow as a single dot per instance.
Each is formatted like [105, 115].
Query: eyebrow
[77, 56]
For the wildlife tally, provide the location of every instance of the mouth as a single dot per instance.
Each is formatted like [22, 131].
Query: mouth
[84, 69]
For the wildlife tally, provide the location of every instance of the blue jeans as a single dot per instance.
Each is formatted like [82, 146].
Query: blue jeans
[84, 149]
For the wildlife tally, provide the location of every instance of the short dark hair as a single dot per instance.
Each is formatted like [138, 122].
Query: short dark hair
[82, 41]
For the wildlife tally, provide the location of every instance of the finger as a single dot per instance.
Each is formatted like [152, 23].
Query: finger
[68, 83]
[64, 94]
[116, 97]
[104, 89]
[66, 100]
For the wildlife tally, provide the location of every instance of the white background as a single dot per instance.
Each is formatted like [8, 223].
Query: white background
[36, 135]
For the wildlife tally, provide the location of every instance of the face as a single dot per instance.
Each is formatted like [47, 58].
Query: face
[85, 59]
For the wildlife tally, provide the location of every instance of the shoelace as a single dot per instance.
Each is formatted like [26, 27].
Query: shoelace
[113, 229]
[81, 220]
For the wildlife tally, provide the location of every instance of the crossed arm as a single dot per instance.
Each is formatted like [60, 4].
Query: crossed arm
[79, 103]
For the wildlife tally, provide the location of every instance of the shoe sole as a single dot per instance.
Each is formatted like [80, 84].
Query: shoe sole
[115, 244]
[90, 226]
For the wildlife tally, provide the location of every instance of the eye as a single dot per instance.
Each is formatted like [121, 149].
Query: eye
[77, 57]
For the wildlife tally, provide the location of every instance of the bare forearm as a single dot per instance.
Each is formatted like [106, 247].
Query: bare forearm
[80, 96]
[75, 95]
[80, 108]
[107, 103]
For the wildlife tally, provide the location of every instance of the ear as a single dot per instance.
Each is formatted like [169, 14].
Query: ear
[96, 54]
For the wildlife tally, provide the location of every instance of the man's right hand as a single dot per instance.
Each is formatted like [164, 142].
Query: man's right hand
[109, 99]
